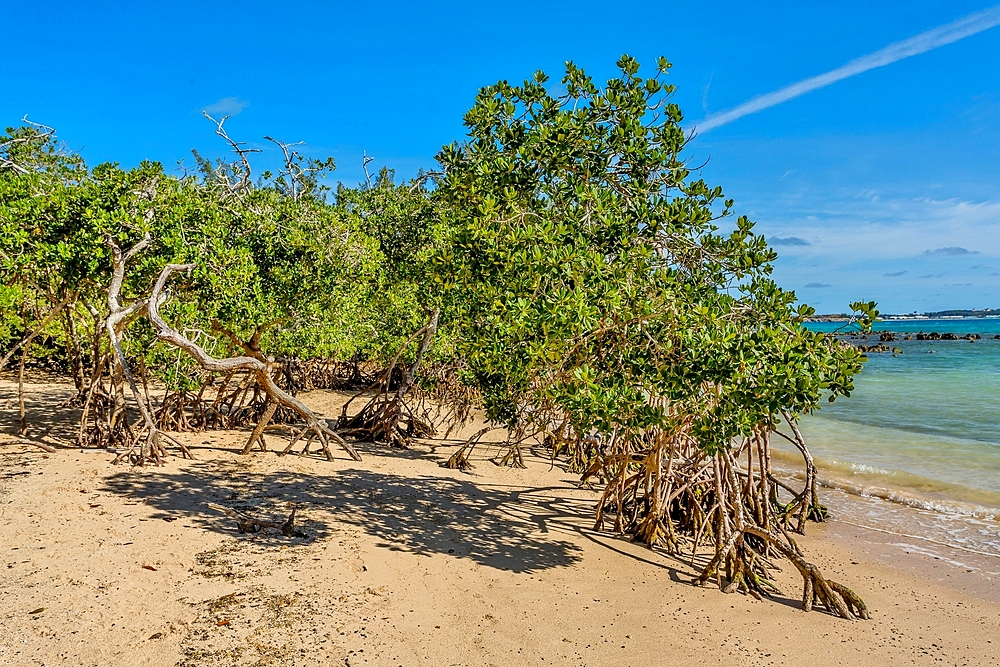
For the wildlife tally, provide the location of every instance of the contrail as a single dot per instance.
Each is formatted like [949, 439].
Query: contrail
[925, 41]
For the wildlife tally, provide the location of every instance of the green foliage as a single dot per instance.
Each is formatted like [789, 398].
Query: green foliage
[864, 315]
[581, 278]
[590, 273]
[10, 322]
[278, 265]
[400, 219]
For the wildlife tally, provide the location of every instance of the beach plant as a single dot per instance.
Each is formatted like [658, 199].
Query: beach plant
[275, 275]
[59, 221]
[604, 308]
[403, 304]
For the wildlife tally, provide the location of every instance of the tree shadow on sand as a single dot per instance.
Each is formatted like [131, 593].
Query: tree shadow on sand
[499, 528]
[51, 414]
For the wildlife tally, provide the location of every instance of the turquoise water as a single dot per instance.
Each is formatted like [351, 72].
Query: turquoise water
[921, 430]
[946, 388]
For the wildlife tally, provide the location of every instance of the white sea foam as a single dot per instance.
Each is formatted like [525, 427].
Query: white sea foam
[950, 508]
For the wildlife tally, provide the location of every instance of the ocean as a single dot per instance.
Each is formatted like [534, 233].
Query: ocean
[915, 450]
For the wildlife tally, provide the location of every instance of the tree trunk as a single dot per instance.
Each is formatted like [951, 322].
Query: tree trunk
[258, 432]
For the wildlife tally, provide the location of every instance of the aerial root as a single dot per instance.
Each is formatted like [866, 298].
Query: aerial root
[512, 457]
[748, 574]
[853, 601]
[150, 448]
[41, 445]
[836, 598]
[386, 418]
[663, 487]
[258, 432]
[749, 578]
[652, 530]
[460, 459]
[315, 431]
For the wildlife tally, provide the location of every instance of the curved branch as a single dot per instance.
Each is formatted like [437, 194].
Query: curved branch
[260, 368]
[117, 315]
[238, 148]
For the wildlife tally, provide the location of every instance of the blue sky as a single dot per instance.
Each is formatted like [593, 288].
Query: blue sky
[884, 185]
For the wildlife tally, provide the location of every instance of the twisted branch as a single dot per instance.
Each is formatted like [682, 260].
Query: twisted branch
[261, 369]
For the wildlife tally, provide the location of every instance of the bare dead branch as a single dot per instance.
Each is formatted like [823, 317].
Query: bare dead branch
[365, 161]
[248, 524]
[292, 168]
[153, 447]
[261, 369]
[244, 171]
[44, 134]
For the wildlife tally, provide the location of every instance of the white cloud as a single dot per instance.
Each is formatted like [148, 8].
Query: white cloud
[876, 248]
[951, 251]
[788, 240]
[227, 106]
[884, 229]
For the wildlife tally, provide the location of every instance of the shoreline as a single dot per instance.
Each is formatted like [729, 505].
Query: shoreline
[986, 315]
[847, 487]
[959, 571]
[409, 563]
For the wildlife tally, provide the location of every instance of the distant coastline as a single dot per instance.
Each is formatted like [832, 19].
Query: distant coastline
[986, 313]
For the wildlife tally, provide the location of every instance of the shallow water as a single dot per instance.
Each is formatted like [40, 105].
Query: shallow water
[922, 431]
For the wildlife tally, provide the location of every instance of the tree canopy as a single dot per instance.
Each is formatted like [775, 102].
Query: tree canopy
[589, 270]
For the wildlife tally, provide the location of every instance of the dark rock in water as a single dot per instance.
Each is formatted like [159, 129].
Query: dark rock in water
[907, 337]
[887, 336]
[934, 335]
[877, 348]
[997, 337]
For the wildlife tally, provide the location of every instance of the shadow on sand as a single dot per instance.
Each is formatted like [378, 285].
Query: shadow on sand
[52, 416]
[504, 529]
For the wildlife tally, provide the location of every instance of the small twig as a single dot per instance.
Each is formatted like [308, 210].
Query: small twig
[238, 148]
[248, 524]
[364, 165]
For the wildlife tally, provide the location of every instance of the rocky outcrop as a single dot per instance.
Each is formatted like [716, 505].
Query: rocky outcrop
[878, 348]
[934, 335]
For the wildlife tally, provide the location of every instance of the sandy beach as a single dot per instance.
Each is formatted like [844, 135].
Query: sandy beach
[405, 562]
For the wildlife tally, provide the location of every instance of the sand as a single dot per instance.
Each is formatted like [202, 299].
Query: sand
[406, 562]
